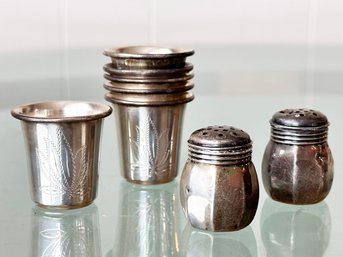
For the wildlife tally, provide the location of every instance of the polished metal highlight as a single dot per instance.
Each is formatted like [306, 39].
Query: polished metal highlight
[151, 73]
[297, 166]
[152, 100]
[65, 233]
[219, 187]
[149, 139]
[122, 79]
[149, 87]
[148, 57]
[62, 141]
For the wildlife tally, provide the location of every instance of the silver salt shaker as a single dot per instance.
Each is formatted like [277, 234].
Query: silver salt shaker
[297, 166]
[219, 187]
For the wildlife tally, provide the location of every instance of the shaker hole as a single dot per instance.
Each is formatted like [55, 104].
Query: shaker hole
[281, 112]
[187, 190]
[220, 135]
[315, 114]
[225, 130]
[234, 133]
[205, 133]
[215, 130]
[301, 114]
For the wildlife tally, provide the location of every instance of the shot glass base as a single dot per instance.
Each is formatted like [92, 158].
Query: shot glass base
[63, 207]
[148, 183]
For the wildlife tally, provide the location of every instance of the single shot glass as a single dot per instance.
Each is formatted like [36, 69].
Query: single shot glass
[62, 140]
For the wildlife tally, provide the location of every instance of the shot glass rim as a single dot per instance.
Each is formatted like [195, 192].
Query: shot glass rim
[31, 114]
[141, 52]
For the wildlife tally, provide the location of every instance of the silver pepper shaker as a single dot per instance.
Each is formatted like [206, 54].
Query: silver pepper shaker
[219, 187]
[297, 166]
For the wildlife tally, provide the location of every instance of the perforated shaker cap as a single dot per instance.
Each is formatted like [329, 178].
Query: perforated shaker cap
[220, 145]
[300, 118]
[299, 126]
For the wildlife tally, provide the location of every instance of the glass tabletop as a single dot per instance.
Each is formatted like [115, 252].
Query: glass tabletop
[133, 220]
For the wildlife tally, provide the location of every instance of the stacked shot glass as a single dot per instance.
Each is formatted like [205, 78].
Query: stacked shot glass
[149, 87]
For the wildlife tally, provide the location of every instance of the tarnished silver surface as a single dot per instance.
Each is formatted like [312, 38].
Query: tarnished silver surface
[148, 57]
[170, 79]
[298, 118]
[222, 145]
[72, 233]
[149, 86]
[147, 222]
[294, 230]
[149, 141]
[297, 166]
[219, 188]
[197, 243]
[299, 127]
[62, 141]
[146, 74]
[151, 100]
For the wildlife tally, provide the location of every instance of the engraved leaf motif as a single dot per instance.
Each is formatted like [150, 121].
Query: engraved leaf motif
[65, 170]
[150, 217]
[52, 233]
[151, 149]
[62, 243]
[55, 236]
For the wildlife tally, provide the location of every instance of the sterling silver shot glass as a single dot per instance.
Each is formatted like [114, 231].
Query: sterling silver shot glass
[62, 140]
[149, 88]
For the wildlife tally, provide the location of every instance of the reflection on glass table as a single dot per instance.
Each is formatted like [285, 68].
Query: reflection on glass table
[198, 243]
[147, 221]
[295, 230]
[66, 233]
[138, 221]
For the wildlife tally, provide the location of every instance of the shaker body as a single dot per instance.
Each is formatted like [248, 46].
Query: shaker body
[218, 197]
[297, 174]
